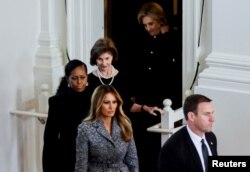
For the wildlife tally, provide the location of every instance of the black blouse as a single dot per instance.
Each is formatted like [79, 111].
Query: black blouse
[120, 82]
[156, 71]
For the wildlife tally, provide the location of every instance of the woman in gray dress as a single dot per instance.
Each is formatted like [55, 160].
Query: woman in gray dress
[105, 138]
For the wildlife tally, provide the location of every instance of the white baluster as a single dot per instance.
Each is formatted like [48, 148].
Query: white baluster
[168, 119]
[43, 99]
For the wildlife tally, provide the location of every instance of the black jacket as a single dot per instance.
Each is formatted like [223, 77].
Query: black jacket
[156, 70]
[179, 153]
[66, 112]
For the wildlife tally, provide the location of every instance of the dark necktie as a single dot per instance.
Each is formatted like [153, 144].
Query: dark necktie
[205, 154]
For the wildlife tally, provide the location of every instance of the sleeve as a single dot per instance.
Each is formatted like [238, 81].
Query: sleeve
[131, 159]
[123, 89]
[51, 134]
[81, 150]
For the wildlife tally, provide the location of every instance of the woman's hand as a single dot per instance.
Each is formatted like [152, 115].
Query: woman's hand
[164, 28]
[153, 110]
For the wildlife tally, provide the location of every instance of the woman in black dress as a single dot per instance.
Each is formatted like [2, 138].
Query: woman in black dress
[156, 74]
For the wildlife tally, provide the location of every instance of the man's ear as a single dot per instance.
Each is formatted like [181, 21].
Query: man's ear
[191, 116]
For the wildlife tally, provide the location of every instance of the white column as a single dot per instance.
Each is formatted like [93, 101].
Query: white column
[48, 66]
[85, 25]
[192, 52]
[48, 69]
[187, 42]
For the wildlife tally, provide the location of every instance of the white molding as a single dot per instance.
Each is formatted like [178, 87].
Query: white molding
[188, 43]
[187, 53]
[71, 24]
[228, 61]
[87, 29]
[226, 72]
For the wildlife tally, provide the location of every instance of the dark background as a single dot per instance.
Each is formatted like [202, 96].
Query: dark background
[122, 26]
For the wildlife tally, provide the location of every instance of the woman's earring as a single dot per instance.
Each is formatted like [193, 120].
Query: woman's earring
[68, 85]
[87, 84]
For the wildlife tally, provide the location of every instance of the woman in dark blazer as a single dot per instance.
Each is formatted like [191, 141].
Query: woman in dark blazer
[182, 152]
[66, 111]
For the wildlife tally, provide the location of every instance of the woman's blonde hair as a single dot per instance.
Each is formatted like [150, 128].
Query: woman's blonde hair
[95, 110]
[153, 10]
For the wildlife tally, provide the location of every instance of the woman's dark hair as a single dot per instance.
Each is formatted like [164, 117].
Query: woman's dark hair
[70, 66]
[101, 46]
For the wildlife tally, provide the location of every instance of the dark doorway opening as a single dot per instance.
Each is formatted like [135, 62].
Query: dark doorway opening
[122, 26]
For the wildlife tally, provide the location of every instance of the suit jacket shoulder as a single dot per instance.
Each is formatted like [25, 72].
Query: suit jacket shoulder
[179, 154]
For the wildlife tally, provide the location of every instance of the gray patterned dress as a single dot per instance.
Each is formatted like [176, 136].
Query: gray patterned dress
[98, 151]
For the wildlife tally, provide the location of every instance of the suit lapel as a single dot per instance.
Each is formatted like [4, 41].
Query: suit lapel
[211, 144]
[116, 131]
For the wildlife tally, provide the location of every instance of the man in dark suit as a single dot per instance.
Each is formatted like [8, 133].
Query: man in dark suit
[183, 150]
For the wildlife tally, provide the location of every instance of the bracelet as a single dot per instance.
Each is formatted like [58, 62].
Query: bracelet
[142, 110]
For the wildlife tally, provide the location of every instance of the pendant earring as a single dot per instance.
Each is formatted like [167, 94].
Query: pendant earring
[68, 85]
[87, 84]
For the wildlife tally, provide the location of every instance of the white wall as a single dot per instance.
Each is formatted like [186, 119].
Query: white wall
[227, 76]
[231, 26]
[18, 32]
[24, 29]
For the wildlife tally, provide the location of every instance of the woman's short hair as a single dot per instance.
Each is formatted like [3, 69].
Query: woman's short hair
[101, 46]
[70, 66]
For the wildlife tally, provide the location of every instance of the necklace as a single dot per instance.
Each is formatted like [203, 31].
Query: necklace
[100, 76]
